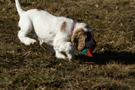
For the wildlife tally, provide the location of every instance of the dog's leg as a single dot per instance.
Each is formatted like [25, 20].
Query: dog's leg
[26, 27]
[70, 55]
[64, 50]
[58, 54]
[69, 51]
[46, 47]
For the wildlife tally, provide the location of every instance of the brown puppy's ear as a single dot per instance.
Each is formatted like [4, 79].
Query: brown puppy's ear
[63, 27]
[78, 39]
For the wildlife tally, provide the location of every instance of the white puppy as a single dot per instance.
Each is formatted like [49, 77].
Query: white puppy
[60, 34]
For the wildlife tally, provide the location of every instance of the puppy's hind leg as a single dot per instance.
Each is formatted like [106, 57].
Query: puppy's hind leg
[26, 27]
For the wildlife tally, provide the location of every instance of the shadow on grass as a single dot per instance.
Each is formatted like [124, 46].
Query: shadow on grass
[109, 56]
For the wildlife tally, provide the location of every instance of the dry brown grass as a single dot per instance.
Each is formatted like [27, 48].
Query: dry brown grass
[112, 65]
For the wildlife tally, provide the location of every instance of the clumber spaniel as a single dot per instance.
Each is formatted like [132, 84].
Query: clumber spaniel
[60, 34]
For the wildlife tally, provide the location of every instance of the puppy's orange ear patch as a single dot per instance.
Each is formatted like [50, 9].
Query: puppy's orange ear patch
[78, 39]
[63, 27]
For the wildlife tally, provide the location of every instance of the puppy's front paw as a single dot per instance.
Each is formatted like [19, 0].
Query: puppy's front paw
[29, 41]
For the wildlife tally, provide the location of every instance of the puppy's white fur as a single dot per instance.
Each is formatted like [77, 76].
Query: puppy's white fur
[48, 29]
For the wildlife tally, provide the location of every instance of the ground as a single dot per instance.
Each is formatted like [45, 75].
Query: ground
[111, 67]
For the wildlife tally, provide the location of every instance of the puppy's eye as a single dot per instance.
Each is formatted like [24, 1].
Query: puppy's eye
[76, 41]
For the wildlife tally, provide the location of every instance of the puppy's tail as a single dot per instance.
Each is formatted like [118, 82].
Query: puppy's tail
[19, 8]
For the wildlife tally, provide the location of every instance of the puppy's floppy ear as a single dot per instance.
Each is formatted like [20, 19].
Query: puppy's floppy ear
[78, 39]
[63, 27]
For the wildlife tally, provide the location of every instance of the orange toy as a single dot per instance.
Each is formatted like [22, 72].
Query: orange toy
[87, 52]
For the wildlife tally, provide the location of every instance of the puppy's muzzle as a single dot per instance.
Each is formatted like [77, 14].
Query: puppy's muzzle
[91, 44]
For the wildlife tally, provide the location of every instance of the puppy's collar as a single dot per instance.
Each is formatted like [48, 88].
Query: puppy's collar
[73, 27]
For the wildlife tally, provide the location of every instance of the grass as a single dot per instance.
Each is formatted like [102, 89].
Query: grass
[111, 67]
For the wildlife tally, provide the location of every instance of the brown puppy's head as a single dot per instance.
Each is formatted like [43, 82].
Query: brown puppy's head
[83, 38]
[78, 39]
